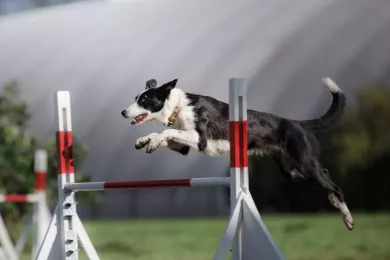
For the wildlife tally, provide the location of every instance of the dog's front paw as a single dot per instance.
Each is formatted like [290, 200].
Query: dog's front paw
[141, 142]
[154, 144]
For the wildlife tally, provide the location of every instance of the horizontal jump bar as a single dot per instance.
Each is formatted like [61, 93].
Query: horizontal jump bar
[188, 182]
[18, 198]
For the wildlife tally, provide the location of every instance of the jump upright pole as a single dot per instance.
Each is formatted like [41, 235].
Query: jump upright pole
[41, 216]
[245, 232]
[70, 227]
[41, 211]
[65, 171]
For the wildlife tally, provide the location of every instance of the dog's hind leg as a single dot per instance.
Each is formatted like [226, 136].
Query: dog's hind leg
[300, 147]
[287, 166]
[338, 201]
[335, 194]
[334, 200]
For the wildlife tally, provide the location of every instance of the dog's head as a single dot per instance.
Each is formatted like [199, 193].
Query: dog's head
[149, 103]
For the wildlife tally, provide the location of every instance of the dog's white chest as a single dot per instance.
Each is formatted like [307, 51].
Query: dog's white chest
[186, 119]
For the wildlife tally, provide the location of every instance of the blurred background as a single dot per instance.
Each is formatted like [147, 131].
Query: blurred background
[104, 51]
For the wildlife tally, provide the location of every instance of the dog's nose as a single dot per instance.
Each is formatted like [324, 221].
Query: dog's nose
[124, 113]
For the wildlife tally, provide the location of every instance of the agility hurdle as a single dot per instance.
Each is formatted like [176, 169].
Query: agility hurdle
[40, 218]
[245, 233]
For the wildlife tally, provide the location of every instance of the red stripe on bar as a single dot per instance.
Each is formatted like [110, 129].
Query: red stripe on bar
[234, 137]
[64, 152]
[15, 198]
[40, 180]
[238, 144]
[244, 143]
[148, 184]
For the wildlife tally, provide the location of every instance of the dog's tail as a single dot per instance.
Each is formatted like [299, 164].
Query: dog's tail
[334, 113]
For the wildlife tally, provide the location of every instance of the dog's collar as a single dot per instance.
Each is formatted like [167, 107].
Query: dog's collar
[172, 117]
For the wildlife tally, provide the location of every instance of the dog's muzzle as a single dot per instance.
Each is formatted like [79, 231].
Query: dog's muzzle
[124, 113]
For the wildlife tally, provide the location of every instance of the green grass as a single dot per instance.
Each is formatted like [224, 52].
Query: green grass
[303, 237]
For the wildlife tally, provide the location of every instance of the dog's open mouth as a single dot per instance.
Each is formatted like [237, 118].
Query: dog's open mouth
[138, 119]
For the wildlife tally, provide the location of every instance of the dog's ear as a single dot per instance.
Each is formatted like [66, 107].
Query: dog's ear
[152, 83]
[167, 87]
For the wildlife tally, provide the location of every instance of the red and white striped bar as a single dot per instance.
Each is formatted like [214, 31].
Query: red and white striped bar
[18, 198]
[139, 184]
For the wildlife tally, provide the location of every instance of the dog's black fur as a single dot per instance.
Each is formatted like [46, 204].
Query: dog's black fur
[291, 143]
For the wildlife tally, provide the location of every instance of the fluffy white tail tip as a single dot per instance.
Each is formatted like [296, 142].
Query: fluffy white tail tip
[331, 85]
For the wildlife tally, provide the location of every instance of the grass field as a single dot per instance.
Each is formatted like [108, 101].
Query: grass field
[304, 237]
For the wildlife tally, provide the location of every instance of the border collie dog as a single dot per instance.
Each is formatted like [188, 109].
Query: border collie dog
[202, 123]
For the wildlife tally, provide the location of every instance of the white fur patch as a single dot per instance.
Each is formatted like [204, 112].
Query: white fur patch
[222, 148]
[185, 119]
[145, 139]
[331, 85]
[217, 147]
[257, 152]
[188, 138]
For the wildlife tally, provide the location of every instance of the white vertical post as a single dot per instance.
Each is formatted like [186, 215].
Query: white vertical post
[40, 218]
[67, 205]
[238, 152]
[234, 224]
[49, 247]
[6, 243]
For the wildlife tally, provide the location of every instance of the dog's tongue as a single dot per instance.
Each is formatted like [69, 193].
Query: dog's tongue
[137, 119]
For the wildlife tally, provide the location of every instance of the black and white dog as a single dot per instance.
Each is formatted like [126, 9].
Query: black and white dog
[202, 123]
